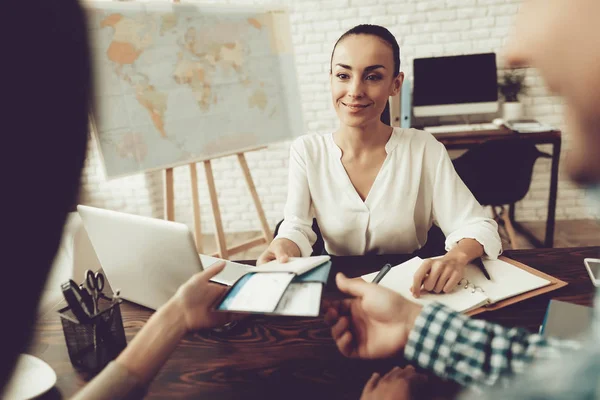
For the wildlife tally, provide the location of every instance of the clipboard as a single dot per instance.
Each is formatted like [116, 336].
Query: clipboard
[555, 284]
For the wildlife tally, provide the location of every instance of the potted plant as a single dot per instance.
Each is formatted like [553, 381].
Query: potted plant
[511, 85]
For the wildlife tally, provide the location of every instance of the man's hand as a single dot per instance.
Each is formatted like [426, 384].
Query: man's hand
[281, 250]
[397, 384]
[373, 324]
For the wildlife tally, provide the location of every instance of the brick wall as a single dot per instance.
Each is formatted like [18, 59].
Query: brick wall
[423, 28]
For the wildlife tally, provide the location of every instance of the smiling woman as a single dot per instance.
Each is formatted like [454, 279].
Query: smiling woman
[374, 188]
[375, 75]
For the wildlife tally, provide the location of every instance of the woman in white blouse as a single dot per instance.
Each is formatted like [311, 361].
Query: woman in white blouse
[375, 189]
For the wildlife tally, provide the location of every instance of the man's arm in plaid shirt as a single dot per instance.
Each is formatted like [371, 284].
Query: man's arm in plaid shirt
[474, 352]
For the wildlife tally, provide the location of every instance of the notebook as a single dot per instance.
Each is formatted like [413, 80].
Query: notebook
[511, 282]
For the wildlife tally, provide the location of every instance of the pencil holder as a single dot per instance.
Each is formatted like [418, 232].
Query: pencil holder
[92, 344]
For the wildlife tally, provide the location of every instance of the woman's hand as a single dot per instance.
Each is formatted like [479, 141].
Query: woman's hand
[438, 275]
[443, 274]
[281, 250]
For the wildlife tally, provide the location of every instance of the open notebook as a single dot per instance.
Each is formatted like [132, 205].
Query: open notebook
[511, 282]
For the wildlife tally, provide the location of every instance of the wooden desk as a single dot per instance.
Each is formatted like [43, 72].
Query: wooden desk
[467, 140]
[293, 357]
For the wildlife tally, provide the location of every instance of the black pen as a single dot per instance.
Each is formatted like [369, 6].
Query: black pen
[384, 270]
[477, 261]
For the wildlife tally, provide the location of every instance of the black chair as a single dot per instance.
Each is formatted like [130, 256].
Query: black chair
[498, 172]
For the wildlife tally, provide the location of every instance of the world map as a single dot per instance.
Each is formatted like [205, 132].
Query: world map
[182, 83]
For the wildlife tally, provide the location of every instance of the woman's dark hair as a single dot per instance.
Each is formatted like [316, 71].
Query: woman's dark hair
[375, 30]
[383, 34]
[48, 125]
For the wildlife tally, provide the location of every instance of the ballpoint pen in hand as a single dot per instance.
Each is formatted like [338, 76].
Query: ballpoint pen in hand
[384, 270]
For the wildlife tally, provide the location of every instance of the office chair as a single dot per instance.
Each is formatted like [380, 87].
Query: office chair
[498, 172]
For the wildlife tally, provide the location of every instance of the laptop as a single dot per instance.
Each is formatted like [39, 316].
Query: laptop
[566, 321]
[148, 259]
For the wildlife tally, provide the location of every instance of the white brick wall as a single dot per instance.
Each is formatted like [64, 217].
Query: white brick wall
[423, 28]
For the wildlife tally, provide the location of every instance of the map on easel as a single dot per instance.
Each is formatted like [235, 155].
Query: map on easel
[180, 83]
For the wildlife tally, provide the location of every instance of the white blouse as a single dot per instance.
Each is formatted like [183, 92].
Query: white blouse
[415, 187]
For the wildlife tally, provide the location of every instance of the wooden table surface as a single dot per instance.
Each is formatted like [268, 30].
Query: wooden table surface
[283, 357]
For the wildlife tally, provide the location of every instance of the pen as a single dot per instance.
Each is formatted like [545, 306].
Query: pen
[384, 270]
[477, 261]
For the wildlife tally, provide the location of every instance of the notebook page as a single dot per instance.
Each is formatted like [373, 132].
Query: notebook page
[507, 280]
[400, 279]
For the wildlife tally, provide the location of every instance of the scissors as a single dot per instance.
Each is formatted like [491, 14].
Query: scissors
[94, 282]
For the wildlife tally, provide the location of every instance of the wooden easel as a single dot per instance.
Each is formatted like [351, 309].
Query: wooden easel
[223, 251]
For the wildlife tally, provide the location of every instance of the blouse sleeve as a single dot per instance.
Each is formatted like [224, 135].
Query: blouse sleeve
[298, 213]
[456, 210]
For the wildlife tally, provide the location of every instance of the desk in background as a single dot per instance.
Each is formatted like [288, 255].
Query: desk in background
[469, 139]
[282, 357]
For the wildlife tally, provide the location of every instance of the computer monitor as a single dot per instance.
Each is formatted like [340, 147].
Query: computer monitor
[455, 85]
